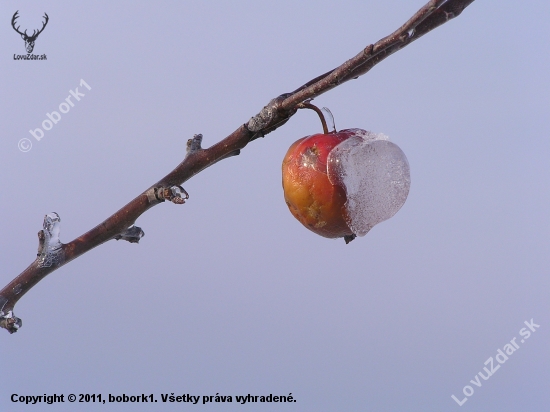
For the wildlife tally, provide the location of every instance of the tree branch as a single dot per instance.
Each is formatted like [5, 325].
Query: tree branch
[53, 254]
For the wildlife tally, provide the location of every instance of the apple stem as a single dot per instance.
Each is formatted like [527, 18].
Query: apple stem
[305, 105]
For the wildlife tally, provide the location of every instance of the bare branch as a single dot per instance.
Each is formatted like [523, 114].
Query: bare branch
[53, 254]
[429, 17]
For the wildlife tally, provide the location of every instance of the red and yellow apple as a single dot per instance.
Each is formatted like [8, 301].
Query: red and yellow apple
[309, 194]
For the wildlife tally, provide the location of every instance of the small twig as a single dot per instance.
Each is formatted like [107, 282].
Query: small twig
[53, 254]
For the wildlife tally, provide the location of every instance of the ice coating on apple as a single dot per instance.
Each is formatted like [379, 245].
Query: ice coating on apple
[375, 175]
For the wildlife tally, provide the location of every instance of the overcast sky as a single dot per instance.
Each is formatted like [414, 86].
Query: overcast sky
[228, 293]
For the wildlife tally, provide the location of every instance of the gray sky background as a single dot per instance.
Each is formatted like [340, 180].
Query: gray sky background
[228, 293]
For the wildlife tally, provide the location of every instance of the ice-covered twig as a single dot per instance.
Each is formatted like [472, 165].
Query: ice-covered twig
[50, 248]
[133, 234]
[53, 254]
[9, 322]
[194, 144]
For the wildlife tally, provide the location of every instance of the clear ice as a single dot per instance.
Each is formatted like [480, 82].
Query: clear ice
[133, 234]
[51, 250]
[329, 119]
[376, 176]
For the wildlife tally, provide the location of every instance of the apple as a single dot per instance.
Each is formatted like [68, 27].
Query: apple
[309, 194]
[342, 184]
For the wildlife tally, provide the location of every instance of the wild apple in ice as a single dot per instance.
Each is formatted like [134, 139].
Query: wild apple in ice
[341, 184]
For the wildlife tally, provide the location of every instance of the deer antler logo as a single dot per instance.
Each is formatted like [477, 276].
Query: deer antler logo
[29, 40]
